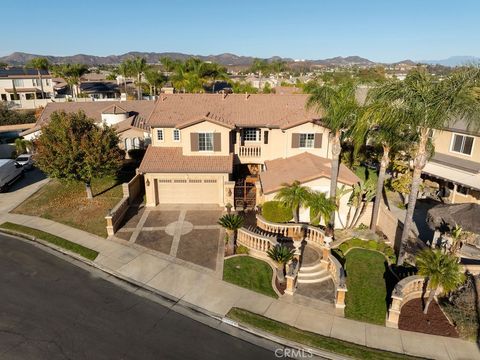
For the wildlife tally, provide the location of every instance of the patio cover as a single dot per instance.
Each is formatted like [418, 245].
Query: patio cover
[464, 178]
[444, 217]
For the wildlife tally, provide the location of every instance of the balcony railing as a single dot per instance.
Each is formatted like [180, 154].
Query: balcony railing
[252, 151]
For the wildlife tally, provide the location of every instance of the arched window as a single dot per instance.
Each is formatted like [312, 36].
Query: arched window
[128, 144]
[136, 143]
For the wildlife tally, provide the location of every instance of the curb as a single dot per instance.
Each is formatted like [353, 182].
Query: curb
[302, 349]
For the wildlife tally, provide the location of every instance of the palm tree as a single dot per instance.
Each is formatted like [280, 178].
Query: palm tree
[138, 65]
[154, 79]
[320, 207]
[379, 125]
[214, 72]
[125, 69]
[231, 223]
[293, 196]
[40, 64]
[440, 270]
[72, 74]
[339, 109]
[425, 103]
[281, 255]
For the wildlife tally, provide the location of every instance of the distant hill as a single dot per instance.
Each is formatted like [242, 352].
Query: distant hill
[454, 61]
[20, 58]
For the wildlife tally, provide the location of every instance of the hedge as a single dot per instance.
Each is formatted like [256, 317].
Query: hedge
[274, 211]
[369, 245]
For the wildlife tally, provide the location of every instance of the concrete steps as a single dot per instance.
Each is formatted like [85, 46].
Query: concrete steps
[313, 271]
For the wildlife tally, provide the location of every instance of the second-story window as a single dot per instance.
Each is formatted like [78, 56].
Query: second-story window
[176, 135]
[160, 134]
[251, 134]
[205, 141]
[307, 140]
[462, 144]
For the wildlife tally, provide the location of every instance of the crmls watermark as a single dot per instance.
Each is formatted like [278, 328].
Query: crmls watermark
[293, 353]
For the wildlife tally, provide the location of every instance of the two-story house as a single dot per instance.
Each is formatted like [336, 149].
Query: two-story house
[18, 85]
[456, 163]
[237, 149]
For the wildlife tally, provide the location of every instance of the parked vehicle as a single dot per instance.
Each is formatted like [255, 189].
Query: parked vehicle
[10, 171]
[26, 160]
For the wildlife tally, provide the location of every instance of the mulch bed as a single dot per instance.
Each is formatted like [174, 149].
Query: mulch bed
[280, 287]
[433, 323]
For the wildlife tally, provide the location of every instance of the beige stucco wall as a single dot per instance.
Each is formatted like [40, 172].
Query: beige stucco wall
[472, 197]
[443, 142]
[204, 126]
[131, 134]
[190, 192]
[323, 185]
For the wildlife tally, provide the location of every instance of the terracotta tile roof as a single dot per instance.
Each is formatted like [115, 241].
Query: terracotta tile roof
[138, 110]
[171, 160]
[304, 167]
[240, 110]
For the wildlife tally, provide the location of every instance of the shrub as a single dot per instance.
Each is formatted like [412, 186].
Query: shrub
[136, 154]
[372, 245]
[242, 250]
[275, 211]
[343, 247]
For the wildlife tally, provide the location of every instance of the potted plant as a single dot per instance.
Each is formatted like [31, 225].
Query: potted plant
[281, 255]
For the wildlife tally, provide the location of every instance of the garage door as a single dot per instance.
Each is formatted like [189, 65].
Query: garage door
[192, 191]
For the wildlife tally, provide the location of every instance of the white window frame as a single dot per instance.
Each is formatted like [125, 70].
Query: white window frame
[452, 142]
[176, 133]
[258, 135]
[210, 134]
[160, 135]
[307, 141]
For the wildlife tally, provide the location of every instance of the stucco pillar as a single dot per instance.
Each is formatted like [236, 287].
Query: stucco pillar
[258, 193]
[394, 313]
[290, 282]
[229, 193]
[340, 301]
[150, 194]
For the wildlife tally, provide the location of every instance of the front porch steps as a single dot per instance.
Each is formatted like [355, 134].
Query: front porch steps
[312, 270]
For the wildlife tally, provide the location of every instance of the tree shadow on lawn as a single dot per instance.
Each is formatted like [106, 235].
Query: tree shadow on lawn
[123, 175]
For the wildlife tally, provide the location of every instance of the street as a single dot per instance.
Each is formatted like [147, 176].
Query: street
[52, 309]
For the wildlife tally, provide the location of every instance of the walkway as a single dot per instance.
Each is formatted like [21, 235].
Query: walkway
[193, 285]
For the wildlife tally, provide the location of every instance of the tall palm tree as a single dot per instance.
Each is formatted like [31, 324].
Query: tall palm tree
[40, 64]
[72, 74]
[339, 110]
[293, 196]
[425, 103]
[320, 207]
[231, 223]
[125, 69]
[214, 72]
[440, 270]
[378, 123]
[280, 255]
[138, 66]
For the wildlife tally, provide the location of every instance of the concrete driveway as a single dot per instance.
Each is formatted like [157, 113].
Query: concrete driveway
[188, 233]
[22, 189]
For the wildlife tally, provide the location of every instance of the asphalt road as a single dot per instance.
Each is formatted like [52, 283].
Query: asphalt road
[52, 309]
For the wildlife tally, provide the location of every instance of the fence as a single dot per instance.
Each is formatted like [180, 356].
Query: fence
[131, 192]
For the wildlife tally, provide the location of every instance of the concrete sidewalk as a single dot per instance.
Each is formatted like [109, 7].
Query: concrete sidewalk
[187, 283]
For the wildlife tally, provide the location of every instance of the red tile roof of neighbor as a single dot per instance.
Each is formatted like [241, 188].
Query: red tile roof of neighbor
[304, 167]
[171, 160]
[139, 111]
[271, 110]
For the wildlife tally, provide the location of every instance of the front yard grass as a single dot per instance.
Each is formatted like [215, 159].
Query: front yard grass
[249, 273]
[311, 339]
[66, 203]
[367, 277]
[58, 241]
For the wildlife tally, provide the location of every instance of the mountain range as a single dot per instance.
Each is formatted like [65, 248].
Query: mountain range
[21, 58]
[227, 59]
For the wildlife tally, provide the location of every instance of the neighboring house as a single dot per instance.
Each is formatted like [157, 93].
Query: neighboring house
[456, 163]
[128, 117]
[100, 90]
[220, 149]
[17, 84]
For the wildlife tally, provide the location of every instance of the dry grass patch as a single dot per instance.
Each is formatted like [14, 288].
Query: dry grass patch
[66, 202]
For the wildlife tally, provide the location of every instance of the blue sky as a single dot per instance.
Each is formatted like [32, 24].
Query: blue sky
[381, 30]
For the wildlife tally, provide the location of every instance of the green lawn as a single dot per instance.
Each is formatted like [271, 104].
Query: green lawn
[66, 202]
[311, 339]
[365, 173]
[367, 286]
[249, 273]
[61, 242]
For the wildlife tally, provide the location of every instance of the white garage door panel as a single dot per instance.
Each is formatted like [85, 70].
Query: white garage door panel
[194, 191]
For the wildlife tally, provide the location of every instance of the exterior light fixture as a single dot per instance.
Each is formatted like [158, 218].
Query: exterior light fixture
[147, 182]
